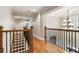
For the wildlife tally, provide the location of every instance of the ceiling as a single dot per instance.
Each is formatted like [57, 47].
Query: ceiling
[30, 11]
[62, 12]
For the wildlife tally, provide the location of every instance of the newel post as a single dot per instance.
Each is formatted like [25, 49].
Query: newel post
[45, 34]
[31, 39]
[32, 31]
[1, 40]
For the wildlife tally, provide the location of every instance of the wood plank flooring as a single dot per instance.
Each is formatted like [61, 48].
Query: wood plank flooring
[39, 46]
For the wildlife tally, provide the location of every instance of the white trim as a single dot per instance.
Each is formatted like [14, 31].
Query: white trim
[38, 37]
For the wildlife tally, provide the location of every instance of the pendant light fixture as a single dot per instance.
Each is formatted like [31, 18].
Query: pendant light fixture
[67, 22]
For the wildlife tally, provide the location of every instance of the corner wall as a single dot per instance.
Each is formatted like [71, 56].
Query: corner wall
[37, 29]
[47, 20]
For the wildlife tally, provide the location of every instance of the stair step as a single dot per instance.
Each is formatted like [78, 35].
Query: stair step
[18, 40]
[18, 43]
[19, 50]
[18, 46]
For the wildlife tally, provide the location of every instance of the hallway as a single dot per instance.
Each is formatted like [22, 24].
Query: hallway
[56, 24]
[37, 29]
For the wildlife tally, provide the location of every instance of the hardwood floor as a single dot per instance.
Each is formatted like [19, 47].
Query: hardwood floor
[39, 46]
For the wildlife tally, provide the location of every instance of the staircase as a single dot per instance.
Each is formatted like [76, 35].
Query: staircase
[18, 43]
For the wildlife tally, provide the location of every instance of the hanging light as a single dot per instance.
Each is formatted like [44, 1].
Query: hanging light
[69, 24]
[68, 19]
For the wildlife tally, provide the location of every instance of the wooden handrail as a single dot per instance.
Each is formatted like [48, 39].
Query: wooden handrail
[1, 40]
[12, 35]
[62, 29]
[66, 36]
[15, 30]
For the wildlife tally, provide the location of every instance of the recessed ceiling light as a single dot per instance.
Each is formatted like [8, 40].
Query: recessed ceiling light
[34, 10]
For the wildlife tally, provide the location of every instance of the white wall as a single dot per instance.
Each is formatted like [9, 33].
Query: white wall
[52, 21]
[20, 23]
[47, 20]
[6, 17]
[36, 25]
[6, 21]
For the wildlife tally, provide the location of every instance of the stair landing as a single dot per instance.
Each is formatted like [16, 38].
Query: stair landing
[39, 46]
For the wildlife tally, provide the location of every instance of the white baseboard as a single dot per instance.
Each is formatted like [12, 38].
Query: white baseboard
[38, 37]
